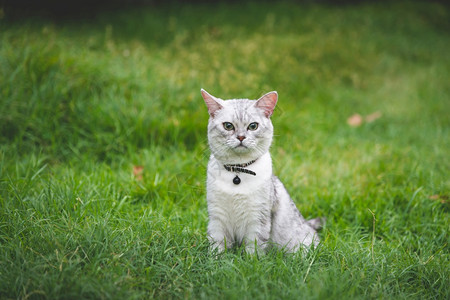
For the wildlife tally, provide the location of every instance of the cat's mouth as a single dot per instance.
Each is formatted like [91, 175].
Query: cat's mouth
[241, 148]
[240, 145]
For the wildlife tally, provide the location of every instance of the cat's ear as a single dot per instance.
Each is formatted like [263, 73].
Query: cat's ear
[267, 103]
[211, 102]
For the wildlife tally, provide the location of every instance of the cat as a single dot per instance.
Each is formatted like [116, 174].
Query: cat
[247, 204]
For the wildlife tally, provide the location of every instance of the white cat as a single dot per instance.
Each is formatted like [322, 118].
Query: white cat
[247, 204]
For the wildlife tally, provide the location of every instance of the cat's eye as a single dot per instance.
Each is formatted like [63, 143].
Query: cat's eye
[253, 126]
[228, 126]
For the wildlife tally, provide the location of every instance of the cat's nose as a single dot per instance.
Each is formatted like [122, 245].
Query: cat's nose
[240, 137]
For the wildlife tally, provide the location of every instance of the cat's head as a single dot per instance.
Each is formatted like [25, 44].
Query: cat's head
[240, 130]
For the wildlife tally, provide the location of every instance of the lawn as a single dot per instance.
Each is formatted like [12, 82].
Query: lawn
[103, 149]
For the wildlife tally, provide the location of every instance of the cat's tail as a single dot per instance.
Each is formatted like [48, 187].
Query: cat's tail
[317, 223]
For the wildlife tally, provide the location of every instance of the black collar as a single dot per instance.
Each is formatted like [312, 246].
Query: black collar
[238, 168]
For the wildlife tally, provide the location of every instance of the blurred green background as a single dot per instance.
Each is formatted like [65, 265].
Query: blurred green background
[103, 145]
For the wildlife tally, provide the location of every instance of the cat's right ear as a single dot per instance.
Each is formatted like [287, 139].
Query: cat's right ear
[211, 102]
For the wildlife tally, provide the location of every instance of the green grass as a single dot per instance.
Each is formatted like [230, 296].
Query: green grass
[82, 102]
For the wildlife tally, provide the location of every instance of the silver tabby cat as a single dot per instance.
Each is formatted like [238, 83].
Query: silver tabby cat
[247, 204]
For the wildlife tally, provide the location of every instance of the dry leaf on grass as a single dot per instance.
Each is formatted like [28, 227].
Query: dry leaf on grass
[441, 198]
[373, 116]
[355, 120]
[137, 172]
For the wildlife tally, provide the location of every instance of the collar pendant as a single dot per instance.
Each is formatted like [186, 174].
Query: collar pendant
[239, 168]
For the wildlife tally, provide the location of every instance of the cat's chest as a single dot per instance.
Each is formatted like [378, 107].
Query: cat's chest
[238, 203]
[223, 187]
[235, 184]
[247, 181]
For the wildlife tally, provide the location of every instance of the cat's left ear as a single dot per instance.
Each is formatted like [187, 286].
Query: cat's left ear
[267, 103]
[212, 103]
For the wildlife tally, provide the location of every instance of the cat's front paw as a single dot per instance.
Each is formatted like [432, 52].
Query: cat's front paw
[255, 248]
[217, 247]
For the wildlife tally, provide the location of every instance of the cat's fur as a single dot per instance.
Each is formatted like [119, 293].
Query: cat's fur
[258, 212]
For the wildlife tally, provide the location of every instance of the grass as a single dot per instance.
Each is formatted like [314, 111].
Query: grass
[83, 102]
